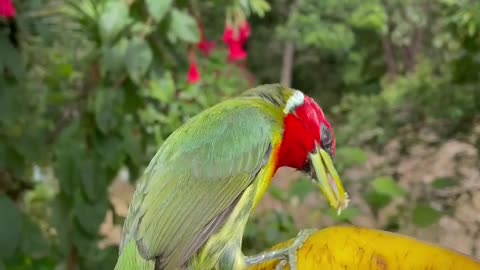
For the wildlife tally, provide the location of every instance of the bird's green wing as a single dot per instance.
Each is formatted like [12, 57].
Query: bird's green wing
[195, 180]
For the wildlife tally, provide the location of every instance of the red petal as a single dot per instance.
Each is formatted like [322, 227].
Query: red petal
[7, 10]
[228, 35]
[245, 31]
[205, 47]
[236, 52]
[193, 75]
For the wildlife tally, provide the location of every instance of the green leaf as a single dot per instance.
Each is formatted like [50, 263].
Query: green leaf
[61, 219]
[138, 59]
[442, 183]
[157, 9]
[387, 186]
[108, 107]
[109, 149]
[183, 27]
[63, 70]
[350, 156]
[93, 180]
[10, 58]
[33, 242]
[377, 200]
[113, 57]
[284, 221]
[369, 16]
[134, 101]
[8, 100]
[300, 188]
[260, 7]
[424, 216]
[114, 18]
[30, 144]
[132, 146]
[90, 215]
[102, 260]
[82, 240]
[162, 88]
[67, 168]
[10, 227]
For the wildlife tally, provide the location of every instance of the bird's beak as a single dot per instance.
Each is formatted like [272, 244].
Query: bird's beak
[326, 176]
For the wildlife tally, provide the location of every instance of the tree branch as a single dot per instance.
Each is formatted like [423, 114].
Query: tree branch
[287, 64]
[13, 186]
[389, 57]
[388, 46]
[414, 49]
[288, 54]
[72, 259]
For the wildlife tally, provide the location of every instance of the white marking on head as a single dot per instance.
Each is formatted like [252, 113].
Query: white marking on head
[294, 101]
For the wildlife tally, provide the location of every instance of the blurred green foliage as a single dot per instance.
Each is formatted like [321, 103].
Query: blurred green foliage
[92, 87]
[383, 70]
[96, 86]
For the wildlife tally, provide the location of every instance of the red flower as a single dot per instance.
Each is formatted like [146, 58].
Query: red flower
[228, 35]
[193, 75]
[245, 31]
[236, 52]
[235, 39]
[205, 46]
[7, 10]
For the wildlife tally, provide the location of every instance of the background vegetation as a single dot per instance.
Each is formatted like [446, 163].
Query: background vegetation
[90, 89]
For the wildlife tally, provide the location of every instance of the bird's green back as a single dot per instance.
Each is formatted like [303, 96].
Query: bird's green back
[197, 176]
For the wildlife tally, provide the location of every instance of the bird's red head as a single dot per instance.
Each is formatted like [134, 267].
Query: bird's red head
[305, 129]
[309, 144]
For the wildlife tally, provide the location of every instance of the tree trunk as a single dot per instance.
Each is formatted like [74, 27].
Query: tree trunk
[389, 57]
[287, 64]
[288, 54]
[413, 50]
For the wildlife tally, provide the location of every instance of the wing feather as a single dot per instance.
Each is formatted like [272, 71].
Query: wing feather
[195, 180]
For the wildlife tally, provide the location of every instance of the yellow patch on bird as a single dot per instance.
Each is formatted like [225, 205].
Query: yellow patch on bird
[265, 176]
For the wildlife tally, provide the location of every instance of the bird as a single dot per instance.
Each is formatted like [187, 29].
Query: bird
[193, 201]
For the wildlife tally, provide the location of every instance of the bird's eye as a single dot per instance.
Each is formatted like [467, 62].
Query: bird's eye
[326, 139]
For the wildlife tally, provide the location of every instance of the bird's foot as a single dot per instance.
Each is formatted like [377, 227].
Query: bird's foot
[287, 256]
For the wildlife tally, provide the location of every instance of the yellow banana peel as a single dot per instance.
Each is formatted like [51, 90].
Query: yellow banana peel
[348, 247]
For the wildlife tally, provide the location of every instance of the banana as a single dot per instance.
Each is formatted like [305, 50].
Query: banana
[356, 248]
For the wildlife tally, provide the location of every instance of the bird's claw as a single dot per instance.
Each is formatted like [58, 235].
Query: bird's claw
[291, 252]
[286, 256]
[281, 265]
